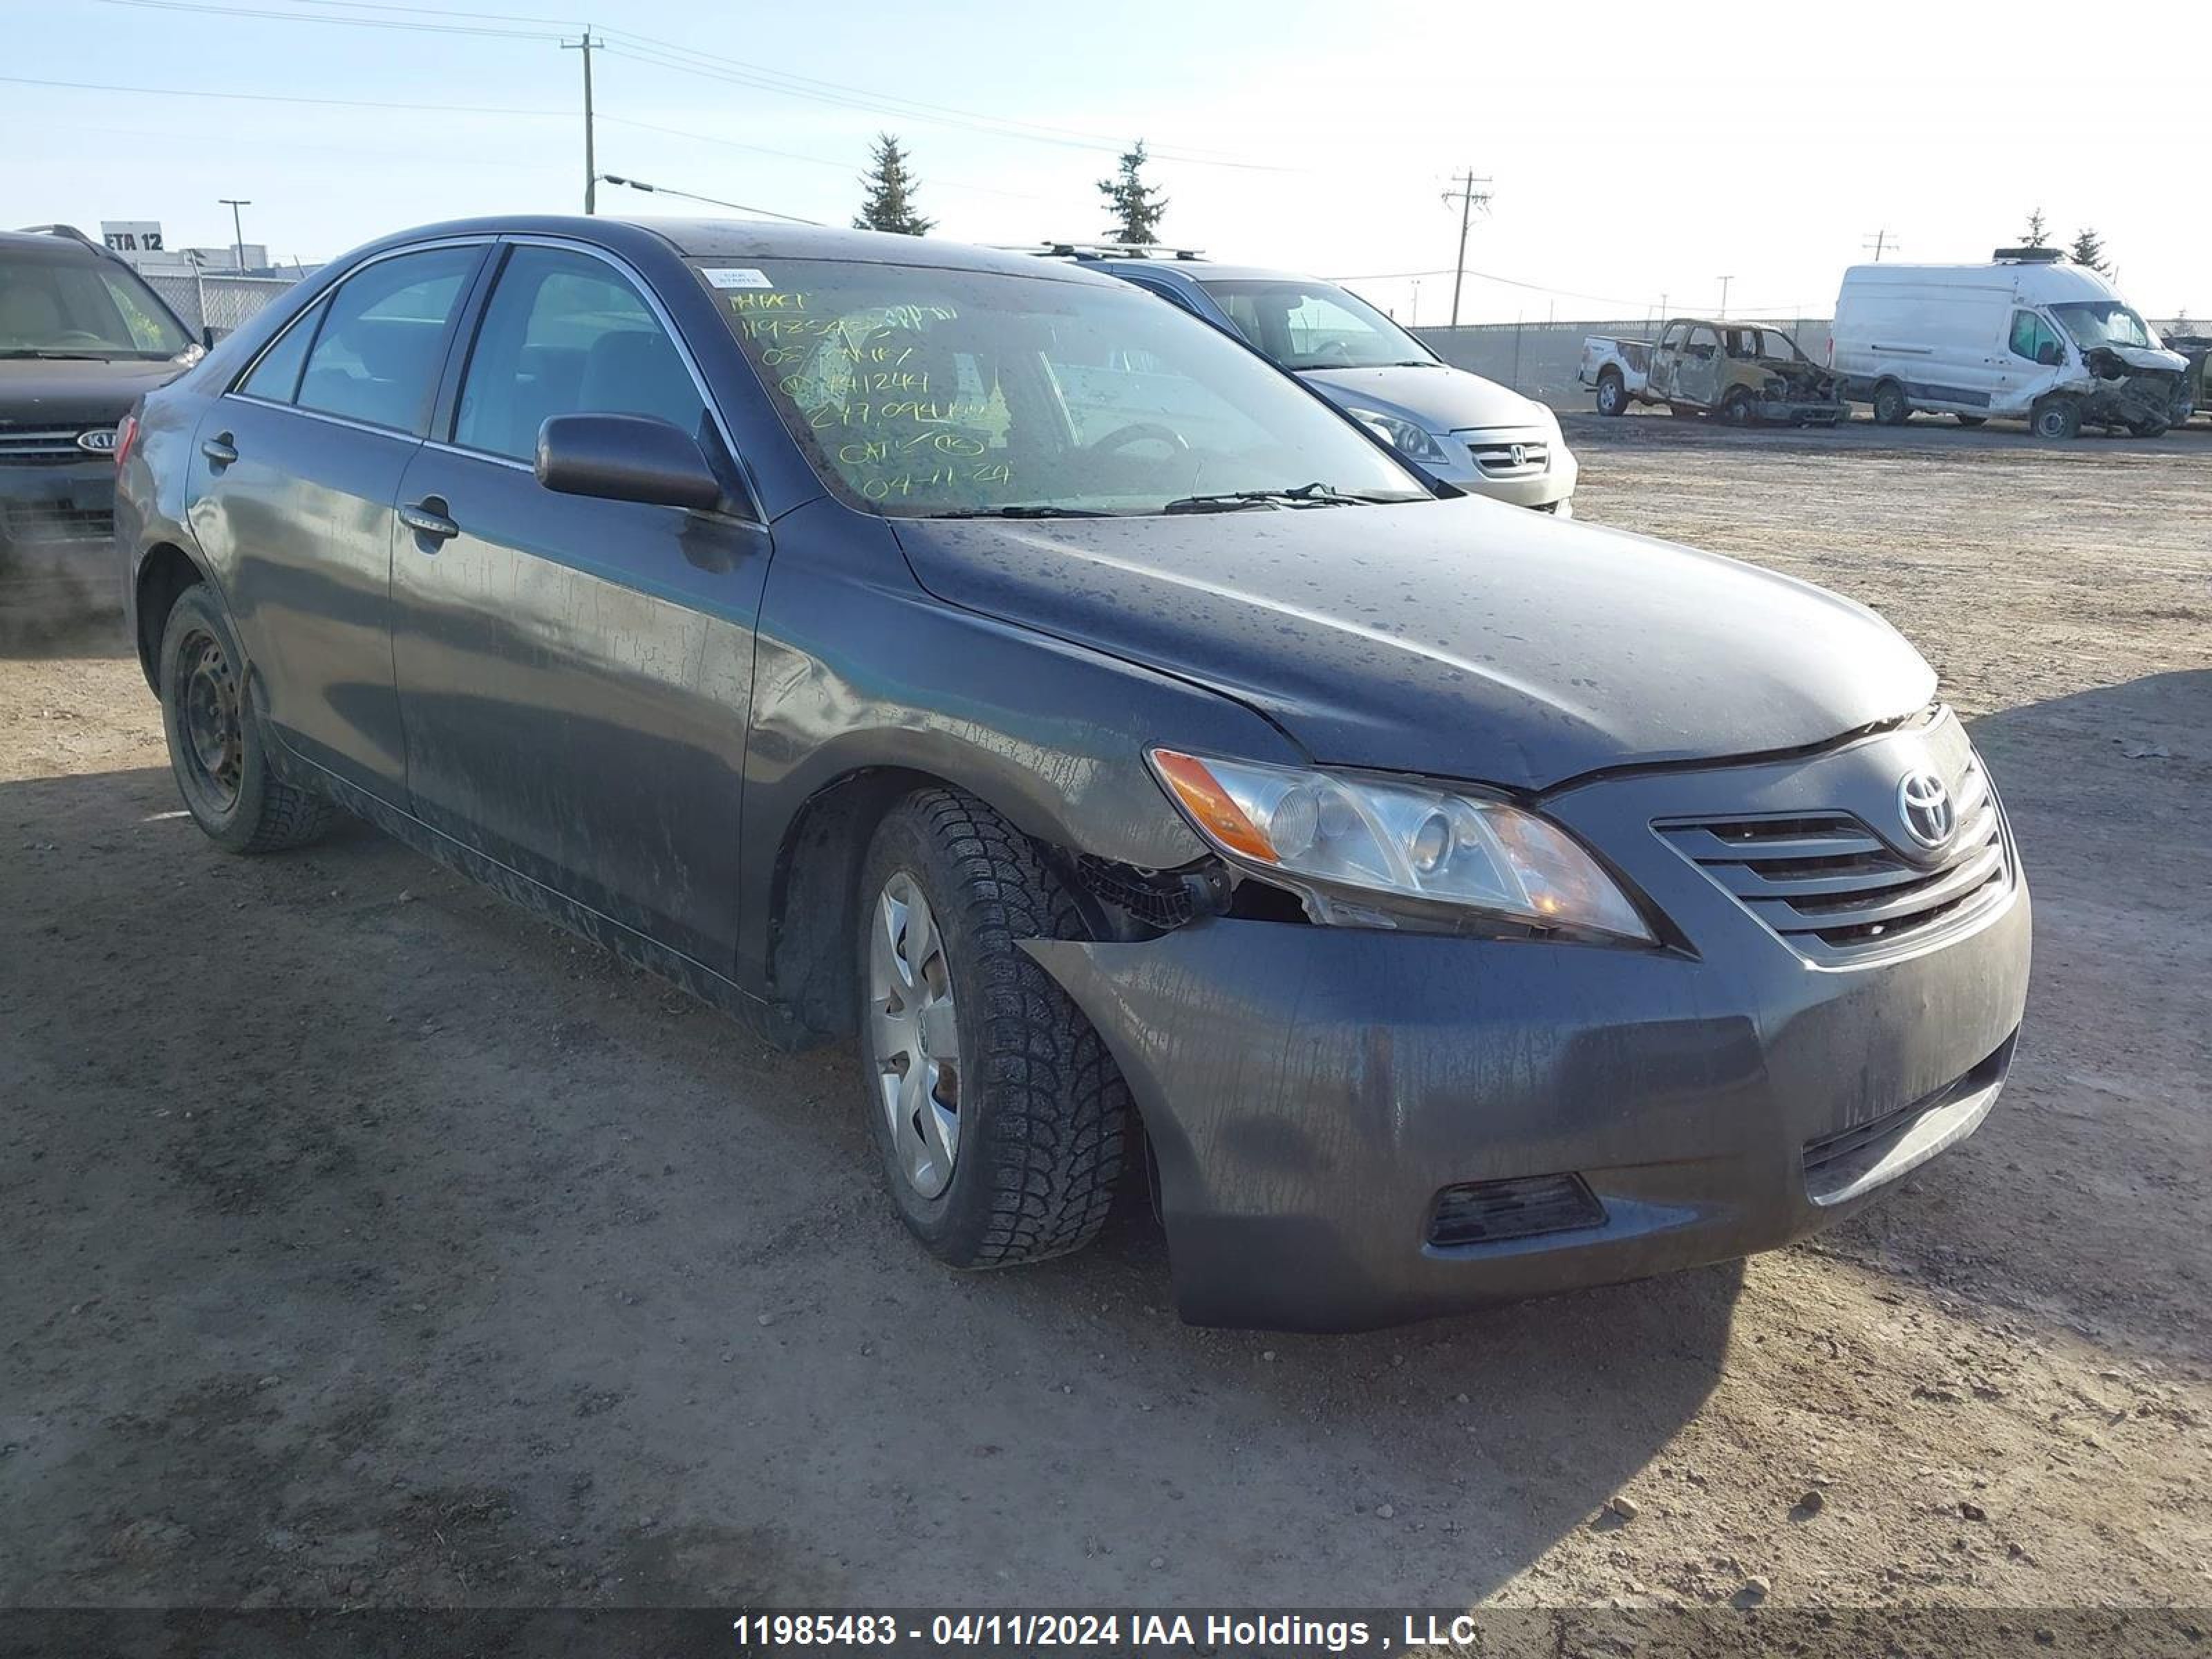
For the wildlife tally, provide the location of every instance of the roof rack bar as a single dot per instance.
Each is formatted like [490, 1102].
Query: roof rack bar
[1055, 248]
[70, 231]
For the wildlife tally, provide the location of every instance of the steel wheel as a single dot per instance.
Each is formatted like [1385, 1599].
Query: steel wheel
[914, 1036]
[214, 741]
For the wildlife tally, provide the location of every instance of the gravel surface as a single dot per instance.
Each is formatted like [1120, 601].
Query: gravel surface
[366, 1242]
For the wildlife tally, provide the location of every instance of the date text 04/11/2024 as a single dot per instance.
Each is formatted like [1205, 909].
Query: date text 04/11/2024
[1212, 1631]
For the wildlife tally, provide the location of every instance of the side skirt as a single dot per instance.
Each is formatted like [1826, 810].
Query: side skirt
[773, 1023]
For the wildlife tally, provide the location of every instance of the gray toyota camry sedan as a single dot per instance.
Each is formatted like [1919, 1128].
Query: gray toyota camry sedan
[968, 658]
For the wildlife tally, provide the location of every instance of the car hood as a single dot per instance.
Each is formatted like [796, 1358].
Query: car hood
[57, 392]
[2150, 357]
[1435, 397]
[1459, 639]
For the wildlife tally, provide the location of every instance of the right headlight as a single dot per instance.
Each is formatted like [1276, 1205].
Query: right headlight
[1407, 437]
[1411, 850]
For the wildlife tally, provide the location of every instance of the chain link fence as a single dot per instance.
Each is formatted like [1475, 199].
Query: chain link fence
[220, 302]
[1539, 359]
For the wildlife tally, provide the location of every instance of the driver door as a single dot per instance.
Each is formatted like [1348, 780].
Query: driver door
[1697, 370]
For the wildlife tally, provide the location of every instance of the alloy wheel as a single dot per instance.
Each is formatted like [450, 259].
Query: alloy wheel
[914, 1036]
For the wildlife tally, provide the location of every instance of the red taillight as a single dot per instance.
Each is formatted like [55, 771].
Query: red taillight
[125, 433]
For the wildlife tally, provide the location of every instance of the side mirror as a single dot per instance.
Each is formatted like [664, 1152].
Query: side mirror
[625, 458]
[207, 338]
[2050, 354]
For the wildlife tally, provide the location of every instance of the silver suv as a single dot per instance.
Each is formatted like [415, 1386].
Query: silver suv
[1483, 437]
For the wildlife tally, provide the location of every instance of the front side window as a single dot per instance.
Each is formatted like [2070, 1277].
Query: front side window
[2035, 339]
[1703, 342]
[565, 334]
[82, 308]
[1313, 324]
[916, 391]
[377, 356]
[2103, 322]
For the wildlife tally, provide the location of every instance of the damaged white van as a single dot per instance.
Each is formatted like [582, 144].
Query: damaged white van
[2026, 336]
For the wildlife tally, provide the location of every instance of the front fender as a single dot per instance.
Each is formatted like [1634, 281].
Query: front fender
[860, 668]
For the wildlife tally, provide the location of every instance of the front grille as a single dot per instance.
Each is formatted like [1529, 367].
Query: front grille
[1490, 1212]
[1496, 457]
[55, 521]
[1835, 891]
[40, 445]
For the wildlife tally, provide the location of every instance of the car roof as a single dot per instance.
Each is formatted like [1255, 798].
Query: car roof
[1201, 270]
[748, 239]
[52, 244]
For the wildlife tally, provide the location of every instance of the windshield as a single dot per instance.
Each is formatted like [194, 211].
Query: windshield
[2103, 322]
[82, 308]
[1306, 325]
[917, 391]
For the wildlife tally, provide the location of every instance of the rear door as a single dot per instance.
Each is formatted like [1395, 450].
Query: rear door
[575, 675]
[291, 492]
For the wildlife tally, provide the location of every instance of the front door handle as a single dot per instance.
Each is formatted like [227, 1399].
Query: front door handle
[427, 519]
[220, 450]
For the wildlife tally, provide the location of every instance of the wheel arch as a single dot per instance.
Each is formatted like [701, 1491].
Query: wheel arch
[164, 571]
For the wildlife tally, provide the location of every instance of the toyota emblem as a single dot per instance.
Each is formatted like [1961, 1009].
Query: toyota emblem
[1924, 802]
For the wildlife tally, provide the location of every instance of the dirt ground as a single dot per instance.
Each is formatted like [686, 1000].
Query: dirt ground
[365, 1242]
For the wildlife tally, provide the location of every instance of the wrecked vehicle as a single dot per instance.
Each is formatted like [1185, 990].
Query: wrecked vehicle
[1741, 372]
[971, 658]
[2027, 337]
[2195, 350]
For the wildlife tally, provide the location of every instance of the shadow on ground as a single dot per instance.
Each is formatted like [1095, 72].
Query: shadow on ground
[371, 1241]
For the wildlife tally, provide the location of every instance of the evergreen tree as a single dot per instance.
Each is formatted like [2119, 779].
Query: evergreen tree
[2037, 234]
[1137, 206]
[2089, 253]
[891, 187]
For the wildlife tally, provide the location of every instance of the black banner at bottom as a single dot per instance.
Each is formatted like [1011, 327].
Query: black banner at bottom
[1151, 1633]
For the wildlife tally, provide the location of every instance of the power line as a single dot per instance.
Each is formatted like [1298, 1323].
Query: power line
[604, 118]
[690, 60]
[693, 196]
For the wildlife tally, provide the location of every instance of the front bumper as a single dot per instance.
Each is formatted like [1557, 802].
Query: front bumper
[1816, 411]
[1309, 1091]
[56, 529]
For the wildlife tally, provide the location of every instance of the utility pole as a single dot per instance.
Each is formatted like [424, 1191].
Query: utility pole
[1881, 242]
[1469, 198]
[591, 162]
[237, 230]
[1725, 280]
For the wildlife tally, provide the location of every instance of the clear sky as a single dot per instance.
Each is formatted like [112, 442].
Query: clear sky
[1637, 152]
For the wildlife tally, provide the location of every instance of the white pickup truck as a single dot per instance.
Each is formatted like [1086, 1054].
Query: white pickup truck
[1744, 373]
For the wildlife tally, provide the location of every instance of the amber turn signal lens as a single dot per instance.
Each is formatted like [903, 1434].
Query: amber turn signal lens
[1206, 801]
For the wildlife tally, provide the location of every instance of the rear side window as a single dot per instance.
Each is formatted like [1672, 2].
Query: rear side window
[382, 342]
[275, 378]
[566, 334]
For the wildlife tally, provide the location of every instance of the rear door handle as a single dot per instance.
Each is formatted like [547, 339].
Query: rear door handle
[427, 519]
[220, 450]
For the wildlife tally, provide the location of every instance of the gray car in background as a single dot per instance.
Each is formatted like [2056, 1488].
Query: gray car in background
[964, 657]
[1472, 433]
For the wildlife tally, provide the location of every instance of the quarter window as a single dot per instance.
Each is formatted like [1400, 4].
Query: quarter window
[382, 342]
[277, 376]
[565, 334]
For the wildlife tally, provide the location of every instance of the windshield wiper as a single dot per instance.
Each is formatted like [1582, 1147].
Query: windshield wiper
[1311, 494]
[59, 356]
[1041, 510]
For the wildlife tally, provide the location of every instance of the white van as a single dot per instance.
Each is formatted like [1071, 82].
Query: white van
[2024, 336]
